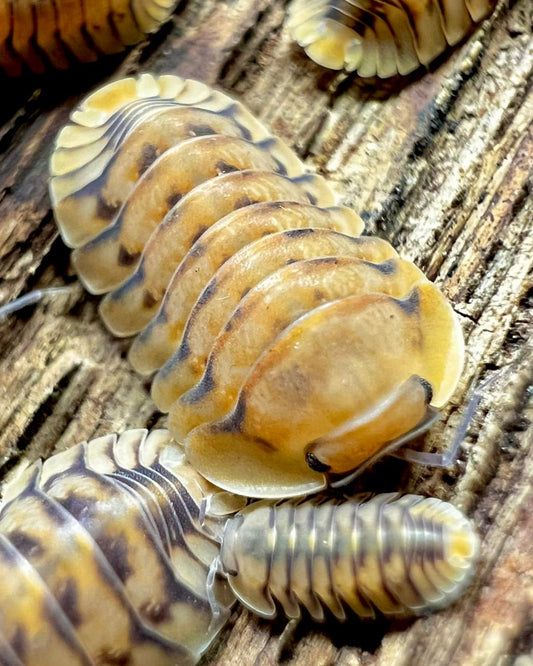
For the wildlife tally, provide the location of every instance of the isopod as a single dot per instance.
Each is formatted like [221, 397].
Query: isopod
[289, 350]
[36, 34]
[105, 551]
[403, 556]
[381, 37]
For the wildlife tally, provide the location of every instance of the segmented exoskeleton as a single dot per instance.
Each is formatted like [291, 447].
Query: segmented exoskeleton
[400, 555]
[37, 33]
[287, 347]
[381, 37]
[105, 551]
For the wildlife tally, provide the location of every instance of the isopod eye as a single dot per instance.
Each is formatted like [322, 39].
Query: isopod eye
[315, 464]
[428, 390]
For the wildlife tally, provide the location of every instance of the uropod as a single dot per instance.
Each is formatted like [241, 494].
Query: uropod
[381, 38]
[288, 349]
[56, 32]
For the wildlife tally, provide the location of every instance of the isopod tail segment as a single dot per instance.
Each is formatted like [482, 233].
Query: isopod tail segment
[105, 551]
[37, 35]
[381, 39]
[395, 555]
[288, 349]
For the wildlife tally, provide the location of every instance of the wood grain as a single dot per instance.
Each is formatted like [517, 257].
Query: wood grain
[441, 165]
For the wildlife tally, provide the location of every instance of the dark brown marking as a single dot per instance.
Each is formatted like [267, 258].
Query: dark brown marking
[208, 293]
[243, 202]
[197, 250]
[200, 130]
[155, 612]
[173, 199]
[126, 258]
[149, 300]
[19, 643]
[428, 389]
[236, 316]
[297, 233]
[201, 231]
[204, 386]
[280, 167]
[67, 597]
[105, 210]
[236, 419]
[325, 260]
[148, 155]
[116, 552]
[234, 422]
[26, 545]
[224, 167]
[387, 550]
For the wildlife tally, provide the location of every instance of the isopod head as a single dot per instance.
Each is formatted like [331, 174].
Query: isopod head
[336, 389]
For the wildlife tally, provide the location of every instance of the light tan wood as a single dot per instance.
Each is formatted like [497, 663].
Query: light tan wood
[440, 164]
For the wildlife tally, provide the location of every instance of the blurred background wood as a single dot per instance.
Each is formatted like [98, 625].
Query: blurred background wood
[440, 164]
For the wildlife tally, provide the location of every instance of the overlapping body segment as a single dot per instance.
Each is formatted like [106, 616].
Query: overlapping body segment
[397, 555]
[287, 348]
[105, 551]
[216, 246]
[56, 32]
[381, 38]
[117, 133]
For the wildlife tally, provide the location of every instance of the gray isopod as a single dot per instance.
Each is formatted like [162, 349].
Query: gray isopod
[400, 555]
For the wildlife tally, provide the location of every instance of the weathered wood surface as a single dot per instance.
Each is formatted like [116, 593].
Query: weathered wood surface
[441, 165]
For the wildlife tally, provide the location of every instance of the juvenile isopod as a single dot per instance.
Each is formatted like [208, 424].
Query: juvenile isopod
[36, 34]
[397, 555]
[105, 551]
[288, 349]
[381, 38]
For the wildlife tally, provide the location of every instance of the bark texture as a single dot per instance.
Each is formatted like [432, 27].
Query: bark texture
[440, 164]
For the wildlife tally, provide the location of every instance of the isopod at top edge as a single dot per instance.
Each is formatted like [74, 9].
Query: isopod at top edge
[288, 349]
[36, 35]
[381, 39]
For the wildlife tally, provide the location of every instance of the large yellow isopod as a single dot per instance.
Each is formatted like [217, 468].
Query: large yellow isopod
[288, 349]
